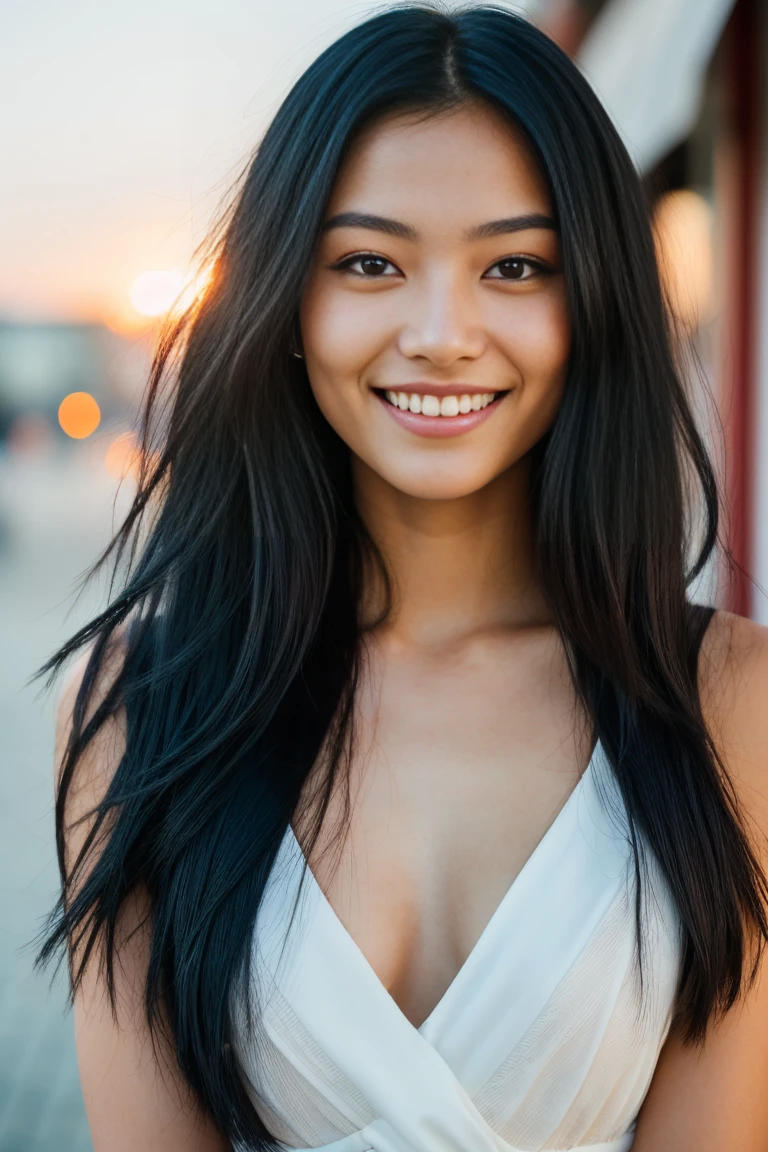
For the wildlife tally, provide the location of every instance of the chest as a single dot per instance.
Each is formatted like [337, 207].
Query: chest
[460, 767]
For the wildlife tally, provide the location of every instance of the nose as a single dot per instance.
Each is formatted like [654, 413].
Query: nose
[443, 325]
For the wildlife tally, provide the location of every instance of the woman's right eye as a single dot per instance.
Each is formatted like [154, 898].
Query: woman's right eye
[367, 260]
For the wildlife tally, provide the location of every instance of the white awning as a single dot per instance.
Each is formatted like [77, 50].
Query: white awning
[646, 60]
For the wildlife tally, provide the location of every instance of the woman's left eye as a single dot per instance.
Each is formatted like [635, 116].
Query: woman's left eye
[513, 266]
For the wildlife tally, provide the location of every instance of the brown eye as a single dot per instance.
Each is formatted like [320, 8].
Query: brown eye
[372, 264]
[512, 268]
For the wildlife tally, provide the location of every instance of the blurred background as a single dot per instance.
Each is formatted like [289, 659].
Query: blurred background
[123, 127]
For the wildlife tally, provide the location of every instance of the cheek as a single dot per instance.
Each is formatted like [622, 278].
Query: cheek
[340, 333]
[537, 340]
[338, 344]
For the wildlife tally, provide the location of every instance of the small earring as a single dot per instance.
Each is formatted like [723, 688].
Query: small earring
[296, 341]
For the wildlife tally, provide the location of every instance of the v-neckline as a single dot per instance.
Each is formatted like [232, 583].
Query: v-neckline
[493, 922]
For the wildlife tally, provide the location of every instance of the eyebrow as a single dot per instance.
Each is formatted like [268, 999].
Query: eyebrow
[408, 232]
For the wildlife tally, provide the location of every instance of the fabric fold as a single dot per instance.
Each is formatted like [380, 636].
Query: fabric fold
[538, 1044]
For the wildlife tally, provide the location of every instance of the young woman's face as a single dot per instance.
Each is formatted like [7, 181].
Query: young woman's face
[445, 293]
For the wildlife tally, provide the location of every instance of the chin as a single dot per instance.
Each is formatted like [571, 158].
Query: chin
[451, 487]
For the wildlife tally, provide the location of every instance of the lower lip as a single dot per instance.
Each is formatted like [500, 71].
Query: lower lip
[440, 425]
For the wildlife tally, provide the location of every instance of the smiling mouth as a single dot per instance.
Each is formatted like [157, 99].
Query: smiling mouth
[439, 407]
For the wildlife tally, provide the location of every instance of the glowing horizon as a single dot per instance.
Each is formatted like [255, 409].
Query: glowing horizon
[118, 157]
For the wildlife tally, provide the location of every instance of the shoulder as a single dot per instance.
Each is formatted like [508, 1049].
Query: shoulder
[109, 668]
[734, 660]
[134, 1093]
[713, 1096]
[85, 782]
[733, 685]
[733, 678]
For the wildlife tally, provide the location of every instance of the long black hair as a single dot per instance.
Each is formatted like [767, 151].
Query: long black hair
[238, 610]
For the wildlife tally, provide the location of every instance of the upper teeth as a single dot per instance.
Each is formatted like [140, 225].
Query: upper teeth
[434, 406]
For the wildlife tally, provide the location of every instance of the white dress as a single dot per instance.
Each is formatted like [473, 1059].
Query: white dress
[539, 1042]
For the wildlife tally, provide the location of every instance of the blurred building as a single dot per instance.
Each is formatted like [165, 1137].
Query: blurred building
[722, 161]
[685, 83]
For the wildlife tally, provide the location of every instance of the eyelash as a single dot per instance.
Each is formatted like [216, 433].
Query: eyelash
[345, 266]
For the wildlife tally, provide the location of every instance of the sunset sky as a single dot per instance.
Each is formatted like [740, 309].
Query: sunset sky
[124, 124]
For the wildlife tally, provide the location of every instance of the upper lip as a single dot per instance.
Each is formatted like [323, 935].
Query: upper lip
[425, 388]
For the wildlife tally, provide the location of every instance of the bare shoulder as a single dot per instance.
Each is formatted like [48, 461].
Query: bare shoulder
[712, 1098]
[734, 657]
[98, 762]
[134, 1093]
[733, 683]
[111, 666]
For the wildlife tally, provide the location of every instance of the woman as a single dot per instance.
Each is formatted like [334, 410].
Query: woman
[423, 505]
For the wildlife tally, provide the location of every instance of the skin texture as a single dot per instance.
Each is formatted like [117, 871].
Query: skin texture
[468, 726]
[134, 1096]
[439, 310]
[714, 1099]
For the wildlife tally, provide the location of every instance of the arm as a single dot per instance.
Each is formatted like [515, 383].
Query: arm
[715, 1098]
[135, 1096]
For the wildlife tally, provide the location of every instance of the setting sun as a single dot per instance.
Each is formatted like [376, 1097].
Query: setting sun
[154, 293]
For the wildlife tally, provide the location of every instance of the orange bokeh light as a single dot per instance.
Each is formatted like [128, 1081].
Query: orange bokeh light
[683, 224]
[79, 415]
[123, 457]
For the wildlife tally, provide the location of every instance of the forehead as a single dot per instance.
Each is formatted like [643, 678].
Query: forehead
[470, 162]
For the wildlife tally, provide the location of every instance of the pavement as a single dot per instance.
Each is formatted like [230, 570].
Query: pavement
[56, 513]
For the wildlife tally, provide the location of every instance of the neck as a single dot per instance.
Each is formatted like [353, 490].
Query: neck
[459, 567]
